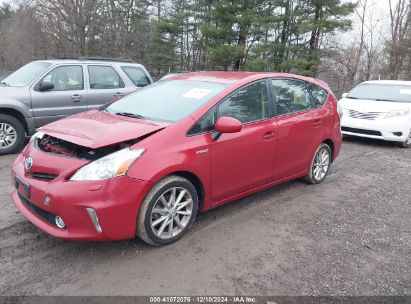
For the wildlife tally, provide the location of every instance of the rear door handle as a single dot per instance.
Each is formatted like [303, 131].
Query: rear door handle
[76, 98]
[269, 135]
[118, 94]
[317, 123]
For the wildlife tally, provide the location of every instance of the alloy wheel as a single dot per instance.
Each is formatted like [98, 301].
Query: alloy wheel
[8, 135]
[321, 164]
[171, 213]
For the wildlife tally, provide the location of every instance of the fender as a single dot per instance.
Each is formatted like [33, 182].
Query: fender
[17, 105]
[21, 111]
[164, 157]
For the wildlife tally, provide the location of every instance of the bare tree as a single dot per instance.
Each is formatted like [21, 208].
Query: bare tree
[68, 19]
[398, 49]
[348, 64]
[23, 39]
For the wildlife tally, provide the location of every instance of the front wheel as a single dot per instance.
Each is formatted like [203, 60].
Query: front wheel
[168, 211]
[407, 142]
[320, 165]
[12, 134]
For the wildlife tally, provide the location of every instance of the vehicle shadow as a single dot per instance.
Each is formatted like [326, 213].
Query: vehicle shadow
[370, 142]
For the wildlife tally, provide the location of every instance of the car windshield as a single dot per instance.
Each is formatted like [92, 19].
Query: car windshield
[168, 101]
[382, 92]
[25, 74]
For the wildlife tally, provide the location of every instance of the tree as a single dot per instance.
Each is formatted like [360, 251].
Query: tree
[68, 21]
[22, 38]
[5, 11]
[184, 35]
[398, 46]
[293, 43]
[233, 29]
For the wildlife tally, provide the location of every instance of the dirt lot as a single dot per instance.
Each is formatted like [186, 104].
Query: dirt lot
[350, 235]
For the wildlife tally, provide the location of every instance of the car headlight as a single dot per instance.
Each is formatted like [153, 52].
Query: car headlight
[340, 110]
[397, 113]
[112, 165]
[37, 135]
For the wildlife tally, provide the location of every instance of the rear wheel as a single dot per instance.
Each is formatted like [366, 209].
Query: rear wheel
[168, 211]
[12, 134]
[407, 142]
[320, 165]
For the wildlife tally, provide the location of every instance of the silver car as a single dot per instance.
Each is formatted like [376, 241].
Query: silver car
[46, 90]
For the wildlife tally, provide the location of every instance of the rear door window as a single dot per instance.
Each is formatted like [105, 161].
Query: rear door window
[136, 75]
[291, 96]
[104, 77]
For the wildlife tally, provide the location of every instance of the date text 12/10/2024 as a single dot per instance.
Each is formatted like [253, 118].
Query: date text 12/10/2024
[204, 299]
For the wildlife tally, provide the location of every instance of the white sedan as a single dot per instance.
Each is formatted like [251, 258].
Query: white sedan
[378, 109]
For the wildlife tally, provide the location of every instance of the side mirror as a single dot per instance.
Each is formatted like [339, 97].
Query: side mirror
[344, 95]
[226, 125]
[46, 86]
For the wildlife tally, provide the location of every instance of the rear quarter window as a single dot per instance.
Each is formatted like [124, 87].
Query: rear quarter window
[136, 75]
[319, 94]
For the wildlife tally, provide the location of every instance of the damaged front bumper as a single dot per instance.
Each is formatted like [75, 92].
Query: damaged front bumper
[91, 210]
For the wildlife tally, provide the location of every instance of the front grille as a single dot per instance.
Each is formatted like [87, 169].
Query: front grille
[364, 115]
[44, 176]
[361, 131]
[45, 215]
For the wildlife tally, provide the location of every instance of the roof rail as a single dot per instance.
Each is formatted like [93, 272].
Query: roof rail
[106, 59]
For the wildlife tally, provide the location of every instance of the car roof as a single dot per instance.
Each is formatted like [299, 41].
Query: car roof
[89, 61]
[235, 77]
[393, 82]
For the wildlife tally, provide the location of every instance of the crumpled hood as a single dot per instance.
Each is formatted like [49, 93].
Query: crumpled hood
[95, 129]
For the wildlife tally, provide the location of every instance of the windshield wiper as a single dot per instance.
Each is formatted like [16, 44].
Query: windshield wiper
[351, 97]
[130, 115]
[4, 84]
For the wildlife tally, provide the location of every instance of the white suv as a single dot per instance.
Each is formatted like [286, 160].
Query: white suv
[378, 109]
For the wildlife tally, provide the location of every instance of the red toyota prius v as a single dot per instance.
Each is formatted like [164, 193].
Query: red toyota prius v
[145, 164]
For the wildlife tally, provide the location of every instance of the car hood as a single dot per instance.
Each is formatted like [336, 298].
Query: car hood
[18, 93]
[95, 129]
[365, 105]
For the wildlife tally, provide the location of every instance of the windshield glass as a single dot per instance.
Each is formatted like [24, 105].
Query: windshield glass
[25, 74]
[167, 101]
[384, 92]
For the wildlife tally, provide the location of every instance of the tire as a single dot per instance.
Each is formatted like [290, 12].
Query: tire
[313, 176]
[12, 135]
[160, 192]
[407, 142]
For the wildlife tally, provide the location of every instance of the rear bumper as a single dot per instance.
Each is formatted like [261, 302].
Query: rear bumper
[116, 203]
[391, 129]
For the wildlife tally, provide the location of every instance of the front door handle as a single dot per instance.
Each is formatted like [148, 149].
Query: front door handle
[269, 135]
[76, 98]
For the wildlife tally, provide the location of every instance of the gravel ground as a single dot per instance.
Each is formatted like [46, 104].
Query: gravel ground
[350, 235]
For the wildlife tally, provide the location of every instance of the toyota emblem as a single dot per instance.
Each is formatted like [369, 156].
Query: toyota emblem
[28, 163]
